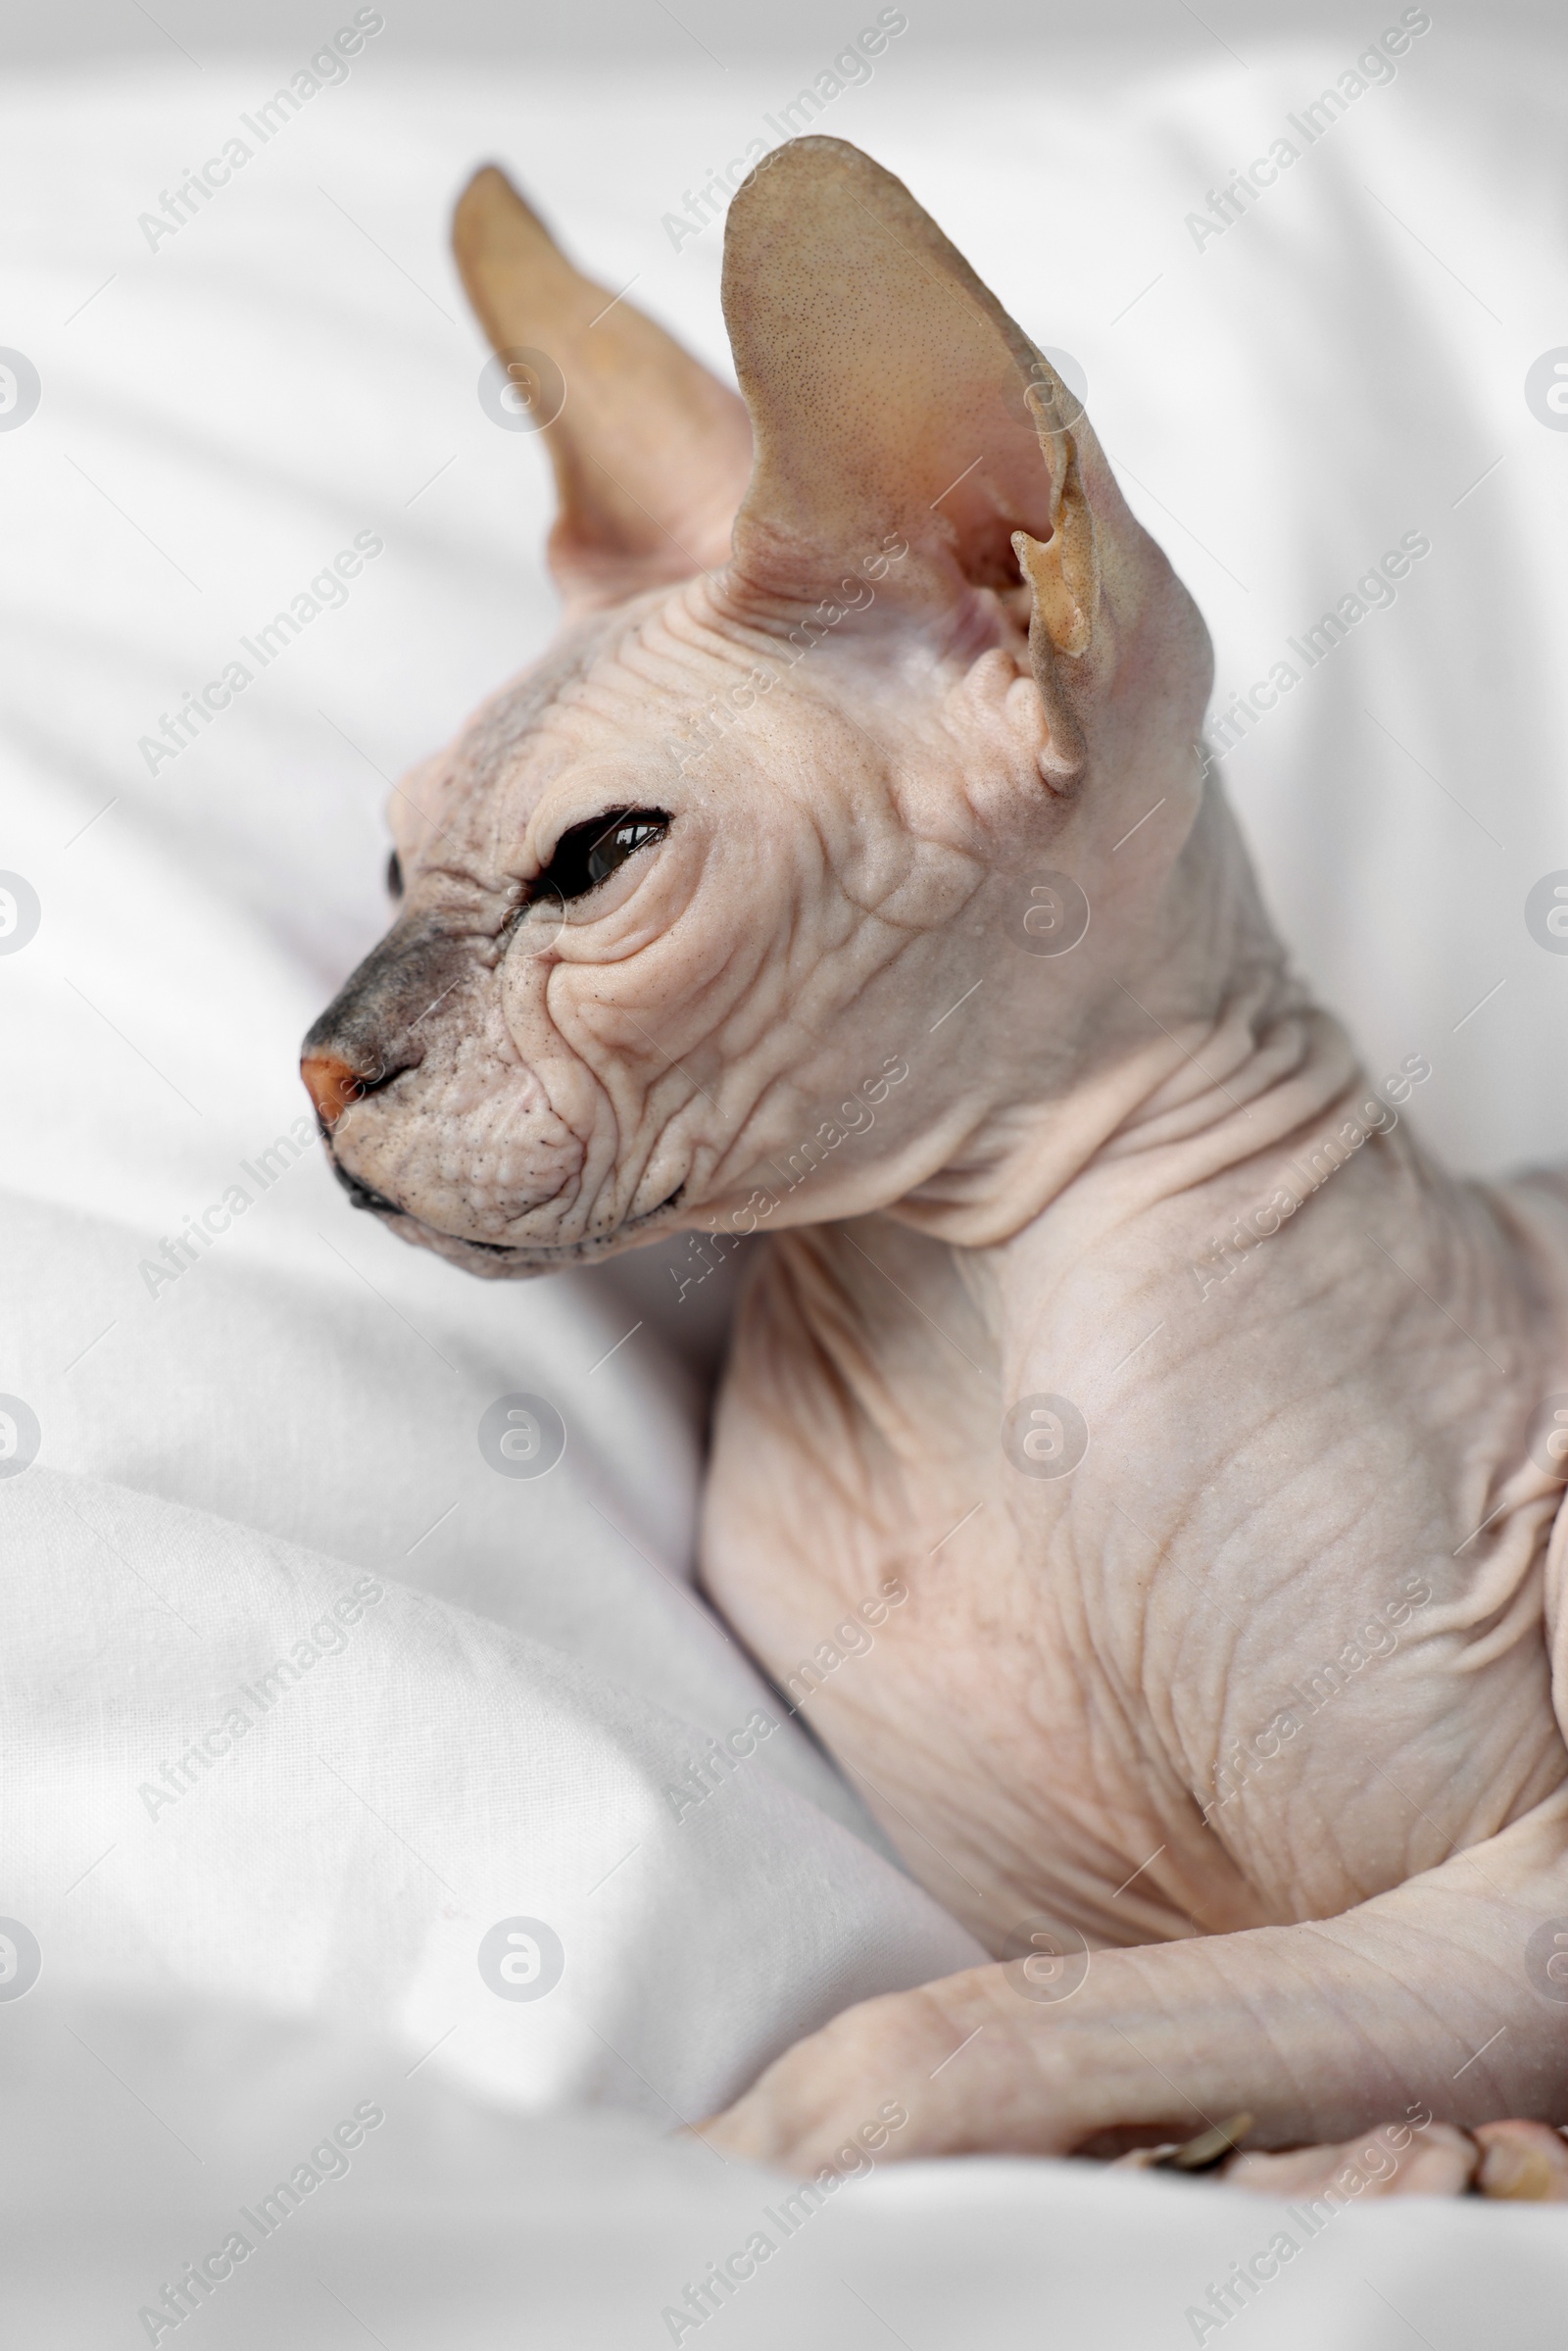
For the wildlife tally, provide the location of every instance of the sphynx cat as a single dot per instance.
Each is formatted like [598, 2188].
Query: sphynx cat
[851, 872]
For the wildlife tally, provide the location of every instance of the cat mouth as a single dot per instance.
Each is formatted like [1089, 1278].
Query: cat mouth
[494, 1257]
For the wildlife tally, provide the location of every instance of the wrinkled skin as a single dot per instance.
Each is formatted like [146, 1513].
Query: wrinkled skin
[1235, 1742]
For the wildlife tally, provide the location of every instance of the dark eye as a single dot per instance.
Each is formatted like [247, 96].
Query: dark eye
[394, 875]
[590, 853]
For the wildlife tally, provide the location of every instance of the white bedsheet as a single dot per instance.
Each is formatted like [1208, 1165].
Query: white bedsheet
[461, 2229]
[225, 1455]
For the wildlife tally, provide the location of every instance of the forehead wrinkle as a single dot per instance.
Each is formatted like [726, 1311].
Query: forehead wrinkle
[603, 696]
[504, 740]
[500, 732]
[638, 684]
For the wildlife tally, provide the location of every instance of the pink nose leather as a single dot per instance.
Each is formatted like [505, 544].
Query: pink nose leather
[331, 1084]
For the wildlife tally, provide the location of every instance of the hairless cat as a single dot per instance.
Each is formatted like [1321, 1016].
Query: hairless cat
[851, 872]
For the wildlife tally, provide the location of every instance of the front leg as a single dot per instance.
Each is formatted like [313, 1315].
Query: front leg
[1435, 1994]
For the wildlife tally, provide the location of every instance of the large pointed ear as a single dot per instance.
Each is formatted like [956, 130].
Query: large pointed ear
[650, 451]
[892, 396]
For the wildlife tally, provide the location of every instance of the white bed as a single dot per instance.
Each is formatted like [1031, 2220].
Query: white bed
[237, 1951]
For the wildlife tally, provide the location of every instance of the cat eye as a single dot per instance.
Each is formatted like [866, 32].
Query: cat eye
[589, 854]
[394, 875]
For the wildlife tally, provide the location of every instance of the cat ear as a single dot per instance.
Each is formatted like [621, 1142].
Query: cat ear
[650, 451]
[894, 400]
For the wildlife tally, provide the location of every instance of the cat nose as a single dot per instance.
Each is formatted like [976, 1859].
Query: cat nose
[369, 1033]
[332, 1084]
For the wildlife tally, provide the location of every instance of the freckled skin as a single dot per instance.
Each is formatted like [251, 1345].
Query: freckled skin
[1253, 1703]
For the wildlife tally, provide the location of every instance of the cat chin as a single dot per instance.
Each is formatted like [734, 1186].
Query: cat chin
[520, 1261]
